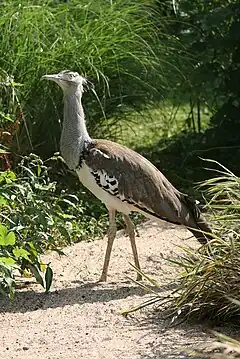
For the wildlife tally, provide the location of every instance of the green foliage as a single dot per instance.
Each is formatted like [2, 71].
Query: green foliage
[163, 124]
[9, 103]
[210, 32]
[208, 286]
[37, 216]
[9, 123]
[114, 43]
[6, 238]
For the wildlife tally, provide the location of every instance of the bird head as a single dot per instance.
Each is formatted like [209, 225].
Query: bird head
[68, 80]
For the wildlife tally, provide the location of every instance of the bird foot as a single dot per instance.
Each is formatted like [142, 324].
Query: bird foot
[103, 278]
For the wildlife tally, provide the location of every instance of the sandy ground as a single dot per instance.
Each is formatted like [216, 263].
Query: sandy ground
[81, 318]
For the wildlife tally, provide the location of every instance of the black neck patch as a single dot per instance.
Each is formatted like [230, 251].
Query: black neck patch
[86, 148]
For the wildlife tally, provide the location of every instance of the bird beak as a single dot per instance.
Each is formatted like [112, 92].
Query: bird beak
[54, 77]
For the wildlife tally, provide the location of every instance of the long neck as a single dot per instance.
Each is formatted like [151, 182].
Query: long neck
[74, 133]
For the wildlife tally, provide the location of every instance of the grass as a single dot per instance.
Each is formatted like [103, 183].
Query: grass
[115, 44]
[131, 62]
[224, 347]
[164, 121]
[207, 287]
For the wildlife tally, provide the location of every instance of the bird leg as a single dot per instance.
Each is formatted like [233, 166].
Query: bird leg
[112, 230]
[131, 234]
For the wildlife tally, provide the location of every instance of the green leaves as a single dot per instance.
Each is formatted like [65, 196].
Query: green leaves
[7, 177]
[35, 271]
[48, 278]
[21, 253]
[8, 261]
[6, 238]
[36, 216]
[34, 268]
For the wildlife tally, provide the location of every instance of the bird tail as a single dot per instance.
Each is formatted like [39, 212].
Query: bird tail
[201, 230]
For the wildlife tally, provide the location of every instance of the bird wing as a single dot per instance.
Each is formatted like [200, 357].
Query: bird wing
[134, 179]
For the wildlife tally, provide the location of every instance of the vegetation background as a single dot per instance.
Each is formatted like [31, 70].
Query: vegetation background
[166, 82]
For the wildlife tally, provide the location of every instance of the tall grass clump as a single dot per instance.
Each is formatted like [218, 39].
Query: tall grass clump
[114, 43]
[208, 285]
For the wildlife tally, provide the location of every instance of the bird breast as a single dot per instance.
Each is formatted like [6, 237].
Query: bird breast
[104, 187]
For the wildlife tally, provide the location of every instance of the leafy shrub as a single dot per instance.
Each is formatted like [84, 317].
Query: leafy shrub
[209, 30]
[37, 216]
[15, 256]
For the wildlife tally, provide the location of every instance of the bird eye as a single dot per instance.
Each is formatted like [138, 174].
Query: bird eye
[72, 76]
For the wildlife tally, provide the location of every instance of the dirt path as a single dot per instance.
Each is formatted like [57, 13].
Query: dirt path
[81, 319]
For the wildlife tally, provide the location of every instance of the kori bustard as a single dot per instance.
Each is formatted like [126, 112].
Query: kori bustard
[121, 178]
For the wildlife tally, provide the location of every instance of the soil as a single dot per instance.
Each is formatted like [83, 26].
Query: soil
[81, 318]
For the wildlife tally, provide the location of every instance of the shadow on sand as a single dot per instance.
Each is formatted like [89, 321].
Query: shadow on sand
[78, 293]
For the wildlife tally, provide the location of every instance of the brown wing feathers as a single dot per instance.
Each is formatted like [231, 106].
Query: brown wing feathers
[141, 183]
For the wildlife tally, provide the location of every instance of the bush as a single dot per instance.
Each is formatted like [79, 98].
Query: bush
[209, 31]
[37, 216]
